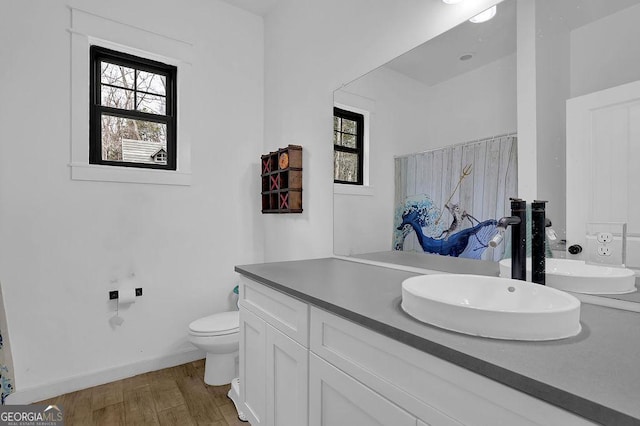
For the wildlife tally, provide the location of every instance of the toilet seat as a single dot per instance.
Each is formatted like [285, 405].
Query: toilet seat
[220, 324]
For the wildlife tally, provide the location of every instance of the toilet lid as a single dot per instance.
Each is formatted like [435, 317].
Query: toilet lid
[217, 324]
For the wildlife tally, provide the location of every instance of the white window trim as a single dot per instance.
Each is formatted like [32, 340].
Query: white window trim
[346, 189]
[88, 29]
[365, 106]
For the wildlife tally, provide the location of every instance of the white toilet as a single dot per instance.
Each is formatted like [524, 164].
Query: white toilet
[219, 336]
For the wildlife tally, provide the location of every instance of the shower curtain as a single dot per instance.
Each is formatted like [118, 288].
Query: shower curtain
[6, 363]
[447, 200]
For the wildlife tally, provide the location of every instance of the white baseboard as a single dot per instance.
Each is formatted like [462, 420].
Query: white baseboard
[72, 384]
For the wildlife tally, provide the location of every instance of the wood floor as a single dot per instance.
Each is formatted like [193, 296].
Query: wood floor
[173, 396]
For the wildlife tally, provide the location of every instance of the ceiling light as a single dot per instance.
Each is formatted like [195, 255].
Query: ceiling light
[484, 16]
[452, 1]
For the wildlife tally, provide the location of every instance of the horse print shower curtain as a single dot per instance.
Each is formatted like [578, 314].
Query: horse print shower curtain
[447, 201]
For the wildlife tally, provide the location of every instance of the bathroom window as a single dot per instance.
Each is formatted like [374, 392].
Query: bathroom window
[133, 111]
[348, 147]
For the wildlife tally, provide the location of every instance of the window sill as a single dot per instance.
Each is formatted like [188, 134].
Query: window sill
[342, 189]
[95, 172]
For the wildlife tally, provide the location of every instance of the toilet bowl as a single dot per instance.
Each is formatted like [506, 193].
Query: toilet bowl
[219, 336]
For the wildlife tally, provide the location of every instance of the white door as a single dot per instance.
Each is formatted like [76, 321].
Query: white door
[603, 165]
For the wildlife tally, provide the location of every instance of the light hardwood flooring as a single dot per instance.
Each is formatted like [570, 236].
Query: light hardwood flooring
[173, 396]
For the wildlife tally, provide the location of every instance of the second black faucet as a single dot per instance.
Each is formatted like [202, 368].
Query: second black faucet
[518, 223]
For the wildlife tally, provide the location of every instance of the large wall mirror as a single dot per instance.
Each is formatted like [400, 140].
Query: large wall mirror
[441, 126]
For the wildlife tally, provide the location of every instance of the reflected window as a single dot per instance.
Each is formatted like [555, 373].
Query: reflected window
[348, 137]
[133, 111]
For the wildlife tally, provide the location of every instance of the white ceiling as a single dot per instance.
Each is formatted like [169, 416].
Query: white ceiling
[259, 7]
[573, 14]
[439, 59]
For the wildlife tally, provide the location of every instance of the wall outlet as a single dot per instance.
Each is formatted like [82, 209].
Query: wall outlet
[605, 237]
[606, 243]
[604, 251]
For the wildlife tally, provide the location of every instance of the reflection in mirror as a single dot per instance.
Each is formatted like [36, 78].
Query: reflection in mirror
[583, 54]
[460, 88]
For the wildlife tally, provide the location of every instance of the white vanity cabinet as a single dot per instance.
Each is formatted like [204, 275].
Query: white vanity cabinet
[274, 356]
[301, 365]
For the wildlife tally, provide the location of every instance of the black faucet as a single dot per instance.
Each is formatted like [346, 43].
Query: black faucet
[518, 222]
[519, 240]
[538, 225]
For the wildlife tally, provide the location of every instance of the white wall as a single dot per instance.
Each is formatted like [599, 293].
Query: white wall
[412, 117]
[363, 223]
[604, 53]
[311, 49]
[552, 91]
[63, 241]
[475, 105]
[593, 57]
[527, 103]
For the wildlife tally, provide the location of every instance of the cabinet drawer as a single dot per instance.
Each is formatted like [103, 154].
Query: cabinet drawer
[285, 313]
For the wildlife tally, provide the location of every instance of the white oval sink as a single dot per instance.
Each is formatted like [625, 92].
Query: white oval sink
[580, 277]
[491, 306]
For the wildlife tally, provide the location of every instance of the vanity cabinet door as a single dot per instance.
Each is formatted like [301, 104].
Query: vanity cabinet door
[337, 399]
[253, 344]
[287, 380]
[273, 374]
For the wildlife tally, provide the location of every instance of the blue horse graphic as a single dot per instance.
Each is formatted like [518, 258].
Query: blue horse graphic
[469, 242]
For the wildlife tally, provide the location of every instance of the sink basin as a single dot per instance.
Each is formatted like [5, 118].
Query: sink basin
[491, 306]
[580, 277]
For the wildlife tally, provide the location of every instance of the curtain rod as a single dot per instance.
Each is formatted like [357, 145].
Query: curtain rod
[505, 135]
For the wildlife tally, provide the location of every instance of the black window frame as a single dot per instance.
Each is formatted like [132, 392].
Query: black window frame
[99, 54]
[359, 150]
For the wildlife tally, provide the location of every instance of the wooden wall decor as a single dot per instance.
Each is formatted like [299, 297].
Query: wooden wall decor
[282, 180]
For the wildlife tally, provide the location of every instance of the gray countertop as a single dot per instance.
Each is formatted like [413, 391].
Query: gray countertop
[595, 374]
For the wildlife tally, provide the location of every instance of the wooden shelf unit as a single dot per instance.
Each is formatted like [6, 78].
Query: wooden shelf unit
[282, 180]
